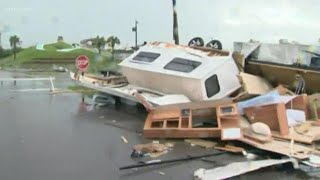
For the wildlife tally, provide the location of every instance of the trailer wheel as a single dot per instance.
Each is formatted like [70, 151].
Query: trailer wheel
[197, 41]
[215, 44]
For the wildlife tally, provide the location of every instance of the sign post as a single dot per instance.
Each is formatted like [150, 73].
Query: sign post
[82, 63]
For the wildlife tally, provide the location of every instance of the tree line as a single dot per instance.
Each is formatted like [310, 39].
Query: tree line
[98, 42]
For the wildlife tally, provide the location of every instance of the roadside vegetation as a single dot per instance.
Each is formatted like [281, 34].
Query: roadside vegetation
[112, 41]
[14, 43]
[58, 45]
[81, 89]
[25, 56]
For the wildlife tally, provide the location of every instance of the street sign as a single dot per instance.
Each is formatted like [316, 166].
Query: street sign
[82, 63]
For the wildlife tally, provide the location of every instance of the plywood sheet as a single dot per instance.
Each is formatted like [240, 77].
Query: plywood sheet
[249, 134]
[312, 135]
[273, 115]
[255, 85]
[283, 147]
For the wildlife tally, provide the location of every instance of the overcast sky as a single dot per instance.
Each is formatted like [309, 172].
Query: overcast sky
[43, 21]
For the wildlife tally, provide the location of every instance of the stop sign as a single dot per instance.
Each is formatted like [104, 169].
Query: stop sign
[82, 63]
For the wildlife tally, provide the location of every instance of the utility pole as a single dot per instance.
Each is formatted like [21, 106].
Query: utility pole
[175, 23]
[0, 41]
[135, 29]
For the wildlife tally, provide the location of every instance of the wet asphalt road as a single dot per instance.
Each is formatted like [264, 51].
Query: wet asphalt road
[57, 137]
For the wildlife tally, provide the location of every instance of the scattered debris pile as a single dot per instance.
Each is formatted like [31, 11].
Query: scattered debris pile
[153, 149]
[260, 115]
[257, 96]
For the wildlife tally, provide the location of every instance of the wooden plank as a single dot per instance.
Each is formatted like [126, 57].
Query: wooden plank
[308, 138]
[164, 116]
[201, 142]
[273, 115]
[174, 113]
[229, 121]
[282, 74]
[230, 148]
[254, 85]
[299, 103]
[249, 134]
[211, 50]
[314, 106]
[195, 105]
[282, 147]
[182, 133]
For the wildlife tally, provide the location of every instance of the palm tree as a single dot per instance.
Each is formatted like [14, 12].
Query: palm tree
[14, 43]
[112, 41]
[99, 43]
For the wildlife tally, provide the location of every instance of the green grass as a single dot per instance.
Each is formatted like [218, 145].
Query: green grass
[79, 88]
[97, 62]
[83, 90]
[57, 45]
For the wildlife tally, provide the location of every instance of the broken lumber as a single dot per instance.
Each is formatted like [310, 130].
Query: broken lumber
[230, 148]
[149, 107]
[201, 142]
[249, 134]
[229, 120]
[299, 102]
[185, 120]
[283, 147]
[150, 147]
[311, 136]
[273, 115]
[314, 106]
[254, 85]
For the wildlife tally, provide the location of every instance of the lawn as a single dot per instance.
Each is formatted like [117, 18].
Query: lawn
[27, 55]
[57, 45]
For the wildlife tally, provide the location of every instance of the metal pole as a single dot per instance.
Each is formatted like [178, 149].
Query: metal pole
[136, 33]
[175, 23]
[170, 161]
[0, 41]
[52, 86]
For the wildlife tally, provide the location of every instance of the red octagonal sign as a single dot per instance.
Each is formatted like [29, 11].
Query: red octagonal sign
[82, 63]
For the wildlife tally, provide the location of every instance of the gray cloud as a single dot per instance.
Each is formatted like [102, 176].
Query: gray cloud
[234, 20]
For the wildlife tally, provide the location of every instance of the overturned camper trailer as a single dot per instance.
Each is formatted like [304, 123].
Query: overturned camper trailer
[200, 74]
[167, 71]
[281, 63]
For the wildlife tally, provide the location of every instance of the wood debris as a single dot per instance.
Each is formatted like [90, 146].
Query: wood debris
[185, 120]
[254, 85]
[273, 115]
[230, 148]
[124, 139]
[201, 143]
[150, 147]
[283, 147]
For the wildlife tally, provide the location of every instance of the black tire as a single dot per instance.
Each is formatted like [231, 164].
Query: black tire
[197, 41]
[215, 44]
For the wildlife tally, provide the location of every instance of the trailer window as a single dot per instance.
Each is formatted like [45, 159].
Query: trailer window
[146, 56]
[182, 65]
[212, 86]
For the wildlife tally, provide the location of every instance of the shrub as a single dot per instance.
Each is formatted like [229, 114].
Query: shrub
[7, 52]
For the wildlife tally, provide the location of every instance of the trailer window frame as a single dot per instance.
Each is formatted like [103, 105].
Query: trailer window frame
[146, 57]
[212, 86]
[182, 65]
